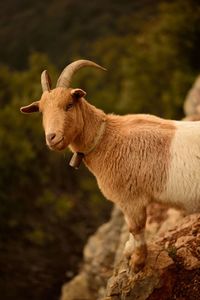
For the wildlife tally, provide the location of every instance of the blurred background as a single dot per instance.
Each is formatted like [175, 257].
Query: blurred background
[47, 210]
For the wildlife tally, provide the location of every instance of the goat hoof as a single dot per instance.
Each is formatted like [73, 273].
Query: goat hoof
[138, 258]
[136, 266]
[137, 262]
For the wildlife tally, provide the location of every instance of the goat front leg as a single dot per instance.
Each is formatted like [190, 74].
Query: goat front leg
[136, 248]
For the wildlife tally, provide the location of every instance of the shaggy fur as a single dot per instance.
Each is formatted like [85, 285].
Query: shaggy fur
[138, 158]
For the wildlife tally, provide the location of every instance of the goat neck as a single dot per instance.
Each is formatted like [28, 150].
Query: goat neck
[92, 131]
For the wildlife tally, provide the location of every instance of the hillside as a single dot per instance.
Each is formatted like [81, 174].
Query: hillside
[65, 29]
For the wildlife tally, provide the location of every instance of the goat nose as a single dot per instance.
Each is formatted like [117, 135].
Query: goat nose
[50, 137]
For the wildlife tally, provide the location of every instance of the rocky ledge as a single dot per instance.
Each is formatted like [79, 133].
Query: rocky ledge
[172, 270]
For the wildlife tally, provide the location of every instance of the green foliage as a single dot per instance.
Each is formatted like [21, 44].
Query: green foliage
[64, 29]
[40, 202]
[151, 71]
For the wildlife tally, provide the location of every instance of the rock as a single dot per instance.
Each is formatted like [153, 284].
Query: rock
[77, 288]
[189, 260]
[99, 259]
[126, 285]
[192, 102]
[173, 255]
[194, 117]
[171, 259]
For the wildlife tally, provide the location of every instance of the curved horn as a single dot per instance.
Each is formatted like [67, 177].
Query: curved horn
[65, 78]
[45, 81]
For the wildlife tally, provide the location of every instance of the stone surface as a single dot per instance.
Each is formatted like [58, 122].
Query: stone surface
[99, 258]
[173, 257]
[192, 102]
[78, 288]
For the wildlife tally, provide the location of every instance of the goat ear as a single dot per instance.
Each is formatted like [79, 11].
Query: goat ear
[33, 107]
[78, 93]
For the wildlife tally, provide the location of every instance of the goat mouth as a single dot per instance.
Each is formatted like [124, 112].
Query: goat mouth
[59, 145]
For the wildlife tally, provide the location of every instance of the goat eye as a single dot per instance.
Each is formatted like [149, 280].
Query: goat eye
[68, 106]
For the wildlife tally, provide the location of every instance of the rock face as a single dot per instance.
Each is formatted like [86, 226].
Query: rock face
[192, 102]
[173, 265]
[172, 270]
[99, 258]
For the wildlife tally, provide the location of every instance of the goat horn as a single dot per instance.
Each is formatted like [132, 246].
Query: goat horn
[45, 81]
[65, 77]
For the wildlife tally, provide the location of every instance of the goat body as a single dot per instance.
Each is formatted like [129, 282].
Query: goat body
[140, 159]
[136, 159]
[146, 157]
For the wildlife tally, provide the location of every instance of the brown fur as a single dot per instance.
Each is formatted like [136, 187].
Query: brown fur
[55, 118]
[130, 161]
[133, 156]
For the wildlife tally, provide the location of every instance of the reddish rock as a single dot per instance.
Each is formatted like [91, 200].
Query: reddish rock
[166, 273]
[173, 257]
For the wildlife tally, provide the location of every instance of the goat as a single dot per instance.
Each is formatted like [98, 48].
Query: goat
[136, 159]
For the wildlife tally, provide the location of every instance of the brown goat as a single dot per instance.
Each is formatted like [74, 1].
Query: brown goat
[135, 158]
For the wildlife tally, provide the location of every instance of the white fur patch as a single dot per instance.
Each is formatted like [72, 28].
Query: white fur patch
[183, 185]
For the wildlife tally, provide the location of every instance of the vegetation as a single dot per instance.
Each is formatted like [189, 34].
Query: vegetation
[151, 50]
